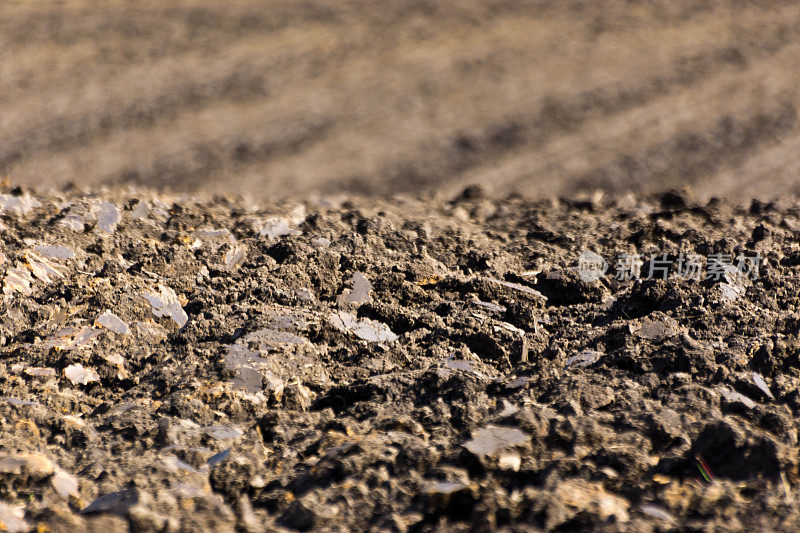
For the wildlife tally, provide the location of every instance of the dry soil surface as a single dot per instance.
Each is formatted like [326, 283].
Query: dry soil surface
[183, 365]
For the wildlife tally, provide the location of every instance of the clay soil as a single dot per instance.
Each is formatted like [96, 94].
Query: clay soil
[173, 364]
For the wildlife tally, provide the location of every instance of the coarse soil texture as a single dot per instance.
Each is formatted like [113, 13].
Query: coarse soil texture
[169, 364]
[280, 98]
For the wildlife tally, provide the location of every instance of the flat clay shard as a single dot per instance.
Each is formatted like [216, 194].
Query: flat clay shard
[358, 293]
[584, 359]
[18, 205]
[761, 384]
[42, 269]
[491, 439]
[115, 502]
[112, 322]
[517, 287]
[54, 251]
[71, 337]
[165, 304]
[366, 329]
[108, 216]
[18, 280]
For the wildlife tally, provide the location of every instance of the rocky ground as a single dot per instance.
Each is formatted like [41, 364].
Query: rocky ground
[170, 364]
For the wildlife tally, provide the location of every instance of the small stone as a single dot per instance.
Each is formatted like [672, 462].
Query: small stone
[235, 257]
[736, 398]
[276, 227]
[509, 461]
[73, 222]
[18, 280]
[17, 402]
[584, 359]
[141, 211]
[218, 458]
[460, 364]
[12, 518]
[18, 205]
[79, 375]
[42, 269]
[729, 292]
[69, 338]
[40, 372]
[65, 484]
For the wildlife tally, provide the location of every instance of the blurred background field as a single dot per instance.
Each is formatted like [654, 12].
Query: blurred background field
[291, 98]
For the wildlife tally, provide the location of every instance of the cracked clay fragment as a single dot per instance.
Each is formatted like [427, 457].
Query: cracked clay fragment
[112, 322]
[107, 218]
[54, 251]
[358, 293]
[165, 303]
[366, 329]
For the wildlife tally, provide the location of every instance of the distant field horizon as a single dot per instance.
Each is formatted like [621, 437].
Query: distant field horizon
[288, 99]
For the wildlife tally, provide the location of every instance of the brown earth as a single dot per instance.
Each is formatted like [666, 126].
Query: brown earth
[172, 364]
[287, 99]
